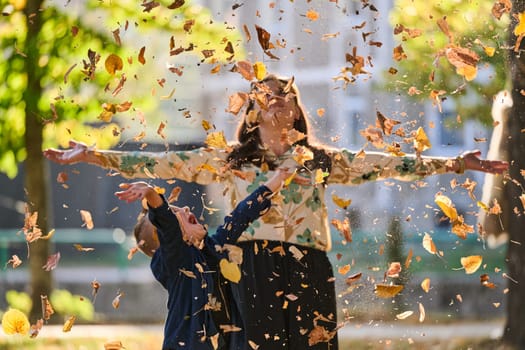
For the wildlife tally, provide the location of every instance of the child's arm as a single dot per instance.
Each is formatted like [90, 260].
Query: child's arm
[250, 209]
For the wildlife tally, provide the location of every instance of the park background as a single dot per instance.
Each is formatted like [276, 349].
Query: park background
[317, 42]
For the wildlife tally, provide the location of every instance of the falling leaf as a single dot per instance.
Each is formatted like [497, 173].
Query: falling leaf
[425, 285]
[160, 130]
[87, 219]
[15, 322]
[500, 7]
[253, 345]
[421, 142]
[52, 262]
[113, 345]
[226, 328]
[386, 124]
[428, 244]
[408, 260]
[116, 301]
[340, 202]
[520, 27]
[353, 278]
[47, 309]
[141, 58]
[312, 15]
[113, 63]
[344, 228]
[393, 270]
[230, 271]
[236, 102]
[343, 270]
[260, 70]
[471, 263]
[81, 248]
[69, 324]
[399, 53]
[484, 279]
[404, 315]
[301, 154]
[387, 290]
[36, 328]
[174, 194]
[216, 140]
[62, 177]
[176, 4]
[446, 206]
[95, 286]
[421, 313]
[14, 261]
[264, 37]
[188, 273]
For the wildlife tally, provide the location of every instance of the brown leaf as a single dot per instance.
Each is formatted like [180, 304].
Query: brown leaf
[386, 124]
[36, 328]
[47, 309]
[501, 7]
[69, 324]
[81, 248]
[344, 228]
[393, 270]
[141, 58]
[113, 63]
[14, 261]
[148, 6]
[176, 4]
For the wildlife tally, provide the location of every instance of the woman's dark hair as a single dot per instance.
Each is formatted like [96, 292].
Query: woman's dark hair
[250, 149]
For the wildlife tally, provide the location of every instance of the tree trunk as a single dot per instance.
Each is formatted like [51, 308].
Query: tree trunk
[36, 174]
[514, 333]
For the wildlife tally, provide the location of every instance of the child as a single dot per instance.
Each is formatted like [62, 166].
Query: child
[185, 260]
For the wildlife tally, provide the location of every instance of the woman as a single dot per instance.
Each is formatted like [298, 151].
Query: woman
[286, 293]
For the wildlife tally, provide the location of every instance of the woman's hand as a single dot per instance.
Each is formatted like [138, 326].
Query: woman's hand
[473, 162]
[77, 153]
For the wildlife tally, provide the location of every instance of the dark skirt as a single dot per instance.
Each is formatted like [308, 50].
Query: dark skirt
[286, 303]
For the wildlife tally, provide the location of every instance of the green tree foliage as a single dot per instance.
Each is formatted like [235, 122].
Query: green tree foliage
[472, 26]
[72, 98]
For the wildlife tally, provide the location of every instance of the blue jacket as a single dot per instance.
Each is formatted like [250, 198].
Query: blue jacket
[176, 266]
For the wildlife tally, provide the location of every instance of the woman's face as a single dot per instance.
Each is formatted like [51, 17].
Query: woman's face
[275, 108]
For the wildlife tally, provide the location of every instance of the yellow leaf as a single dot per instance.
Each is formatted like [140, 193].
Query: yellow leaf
[471, 263]
[208, 167]
[469, 72]
[289, 179]
[206, 125]
[113, 63]
[421, 313]
[421, 142]
[302, 154]
[483, 206]
[260, 70]
[425, 285]
[15, 321]
[230, 271]
[489, 50]
[446, 206]
[387, 290]
[342, 203]
[320, 175]
[216, 139]
[520, 28]
[69, 324]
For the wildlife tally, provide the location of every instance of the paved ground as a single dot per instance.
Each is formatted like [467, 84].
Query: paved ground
[377, 330]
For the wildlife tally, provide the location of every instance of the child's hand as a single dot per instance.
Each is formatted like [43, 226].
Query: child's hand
[278, 179]
[137, 190]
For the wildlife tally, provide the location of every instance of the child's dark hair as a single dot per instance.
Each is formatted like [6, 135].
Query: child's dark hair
[145, 234]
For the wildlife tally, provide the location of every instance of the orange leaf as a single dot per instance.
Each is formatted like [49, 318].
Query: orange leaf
[113, 63]
[141, 55]
[428, 244]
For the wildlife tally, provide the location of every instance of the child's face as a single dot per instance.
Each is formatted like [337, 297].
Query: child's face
[192, 230]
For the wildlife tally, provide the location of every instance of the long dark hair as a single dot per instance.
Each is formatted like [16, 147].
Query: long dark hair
[250, 148]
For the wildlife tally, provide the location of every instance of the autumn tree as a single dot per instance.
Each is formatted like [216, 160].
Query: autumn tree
[65, 70]
[514, 333]
[502, 52]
